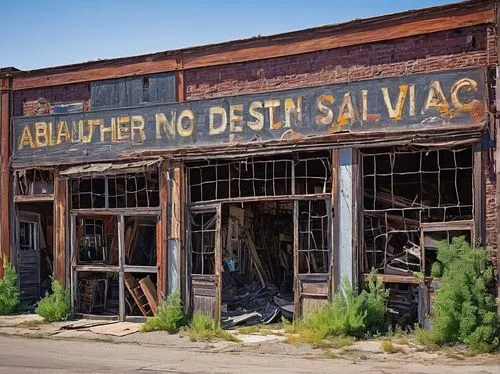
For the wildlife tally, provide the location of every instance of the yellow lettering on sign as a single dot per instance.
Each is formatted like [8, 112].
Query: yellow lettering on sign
[365, 116]
[323, 104]
[123, 131]
[293, 109]
[41, 138]
[26, 139]
[436, 99]
[236, 118]
[137, 128]
[274, 121]
[63, 133]
[347, 112]
[216, 127]
[258, 124]
[108, 130]
[397, 111]
[163, 123]
[412, 100]
[185, 131]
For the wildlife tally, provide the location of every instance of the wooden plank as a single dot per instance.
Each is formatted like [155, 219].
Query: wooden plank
[162, 234]
[296, 281]
[255, 259]
[317, 39]
[33, 198]
[335, 266]
[150, 292]
[5, 240]
[60, 227]
[133, 287]
[121, 263]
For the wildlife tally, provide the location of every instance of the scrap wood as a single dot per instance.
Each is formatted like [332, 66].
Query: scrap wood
[135, 290]
[150, 292]
[255, 259]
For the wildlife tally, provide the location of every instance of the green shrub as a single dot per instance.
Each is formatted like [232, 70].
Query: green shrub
[464, 309]
[9, 293]
[170, 316]
[55, 306]
[349, 314]
[204, 328]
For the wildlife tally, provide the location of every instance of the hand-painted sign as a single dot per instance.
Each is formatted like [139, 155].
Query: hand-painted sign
[413, 101]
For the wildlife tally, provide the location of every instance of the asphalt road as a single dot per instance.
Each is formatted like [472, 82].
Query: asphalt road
[22, 355]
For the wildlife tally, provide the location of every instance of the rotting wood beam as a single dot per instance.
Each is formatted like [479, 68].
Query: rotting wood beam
[5, 104]
[161, 235]
[305, 41]
[60, 227]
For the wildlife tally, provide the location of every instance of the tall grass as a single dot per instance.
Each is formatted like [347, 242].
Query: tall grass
[9, 293]
[55, 306]
[170, 316]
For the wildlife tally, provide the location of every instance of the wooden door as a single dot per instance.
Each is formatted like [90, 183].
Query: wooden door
[204, 261]
[28, 255]
[313, 264]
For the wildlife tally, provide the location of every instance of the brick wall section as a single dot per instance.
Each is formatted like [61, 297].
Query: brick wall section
[39, 101]
[447, 50]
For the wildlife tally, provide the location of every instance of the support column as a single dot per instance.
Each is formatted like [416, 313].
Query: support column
[60, 228]
[5, 104]
[162, 260]
[345, 207]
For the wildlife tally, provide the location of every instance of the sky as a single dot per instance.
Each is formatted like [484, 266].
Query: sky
[45, 33]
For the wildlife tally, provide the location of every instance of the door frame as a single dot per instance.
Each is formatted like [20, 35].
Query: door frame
[29, 217]
[217, 275]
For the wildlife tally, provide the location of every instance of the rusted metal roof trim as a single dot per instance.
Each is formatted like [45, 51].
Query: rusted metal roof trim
[110, 168]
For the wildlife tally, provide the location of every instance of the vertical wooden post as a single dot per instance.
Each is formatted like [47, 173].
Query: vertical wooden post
[497, 150]
[60, 226]
[121, 263]
[161, 234]
[296, 283]
[5, 97]
[335, 268]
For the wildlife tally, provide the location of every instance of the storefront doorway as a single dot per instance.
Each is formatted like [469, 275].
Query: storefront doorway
[266, 252]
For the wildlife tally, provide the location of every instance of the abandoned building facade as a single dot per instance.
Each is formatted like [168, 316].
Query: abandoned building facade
[254, 176]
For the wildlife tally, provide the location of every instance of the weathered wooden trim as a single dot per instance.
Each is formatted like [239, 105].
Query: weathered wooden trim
[202, 205]
[180, 86]
[218, 264]
[329, 37]
[60, 227]
[296, 281]
[478, 189]
[33, 198]
[336, 222]
[97, 268]
[121, 265]
[162, 235]
[452, 225]
[389, 278]
[141, 269]
[5, 105]
[129, 212]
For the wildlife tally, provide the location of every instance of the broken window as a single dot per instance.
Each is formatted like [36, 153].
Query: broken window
[97, 240]
[314, 253]
[254, 177]
[140, 241]
[120, 191]
[403, 190]
[34, 182]
[203, 226]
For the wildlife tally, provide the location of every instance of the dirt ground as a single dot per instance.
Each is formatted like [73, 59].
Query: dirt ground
[27, 346]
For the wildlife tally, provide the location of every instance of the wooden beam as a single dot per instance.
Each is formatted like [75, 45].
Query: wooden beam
[161, 236]
[261, 48]
[60, 227]
[5, 104]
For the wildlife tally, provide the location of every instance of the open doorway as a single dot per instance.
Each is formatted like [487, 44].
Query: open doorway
[257, 262]
[34, 249]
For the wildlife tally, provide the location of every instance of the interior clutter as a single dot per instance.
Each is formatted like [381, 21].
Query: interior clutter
[98, 291]
[413, 199]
